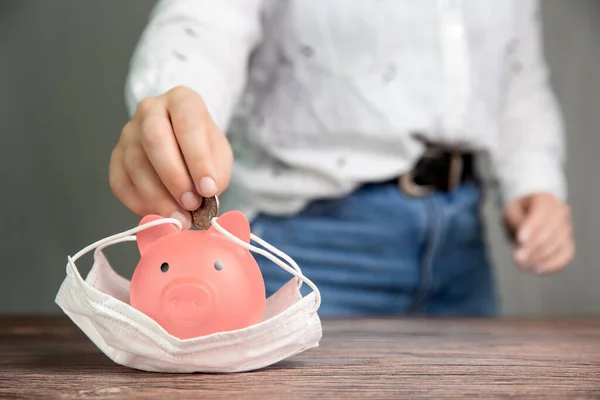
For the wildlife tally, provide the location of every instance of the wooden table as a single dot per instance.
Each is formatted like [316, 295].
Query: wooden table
[49, 358]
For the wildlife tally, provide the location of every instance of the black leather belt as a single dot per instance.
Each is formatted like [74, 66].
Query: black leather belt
[439, 170]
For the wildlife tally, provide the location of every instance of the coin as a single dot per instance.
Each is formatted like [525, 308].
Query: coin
[206, 212]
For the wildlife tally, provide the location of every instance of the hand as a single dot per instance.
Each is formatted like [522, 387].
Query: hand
[543, 230]
[169, 155]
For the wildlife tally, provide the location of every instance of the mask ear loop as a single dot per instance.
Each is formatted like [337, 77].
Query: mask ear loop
[278, 253]
[131, 238]
[128, 235]
[292, 268]
[125, 236]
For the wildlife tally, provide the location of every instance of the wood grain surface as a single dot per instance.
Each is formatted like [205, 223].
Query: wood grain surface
[49, 358]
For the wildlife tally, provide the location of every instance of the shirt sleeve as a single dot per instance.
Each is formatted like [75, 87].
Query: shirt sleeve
[531, 151]
[201, 44]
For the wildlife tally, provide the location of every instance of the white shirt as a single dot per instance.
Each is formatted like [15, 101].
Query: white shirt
[318, 97]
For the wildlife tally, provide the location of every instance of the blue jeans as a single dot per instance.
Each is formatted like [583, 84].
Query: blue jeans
[380, 252]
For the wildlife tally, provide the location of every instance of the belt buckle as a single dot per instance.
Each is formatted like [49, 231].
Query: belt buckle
[411, 188]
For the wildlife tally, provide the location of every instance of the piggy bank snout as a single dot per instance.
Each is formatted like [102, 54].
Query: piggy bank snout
[187, 300]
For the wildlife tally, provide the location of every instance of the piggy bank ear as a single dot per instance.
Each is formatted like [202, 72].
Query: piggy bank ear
[236, 223]
[148, 236]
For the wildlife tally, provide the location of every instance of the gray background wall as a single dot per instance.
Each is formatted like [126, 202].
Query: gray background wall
[62, 69]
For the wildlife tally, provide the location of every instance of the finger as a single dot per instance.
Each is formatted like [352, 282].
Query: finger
[122, 186]
[150, 188]
[162, 150]
[522, 260]
[539, 212]
[551, 248]
[190, 120]
[223, 157]
[547, 238]
[559, 259]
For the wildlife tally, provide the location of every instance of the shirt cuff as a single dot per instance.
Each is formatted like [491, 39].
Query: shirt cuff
[530, 173]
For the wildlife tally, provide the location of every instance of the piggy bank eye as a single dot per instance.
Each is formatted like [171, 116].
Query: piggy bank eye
[164, 267]
[218, 265]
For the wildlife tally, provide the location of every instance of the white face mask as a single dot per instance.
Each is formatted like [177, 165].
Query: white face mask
[99, 306]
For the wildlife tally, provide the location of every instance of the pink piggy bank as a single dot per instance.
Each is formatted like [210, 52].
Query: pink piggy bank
[194, 283]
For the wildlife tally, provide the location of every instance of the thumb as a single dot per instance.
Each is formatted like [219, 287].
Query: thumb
[514, 215]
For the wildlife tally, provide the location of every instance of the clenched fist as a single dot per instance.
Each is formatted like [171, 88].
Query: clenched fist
[543, 229]
[169, 155]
